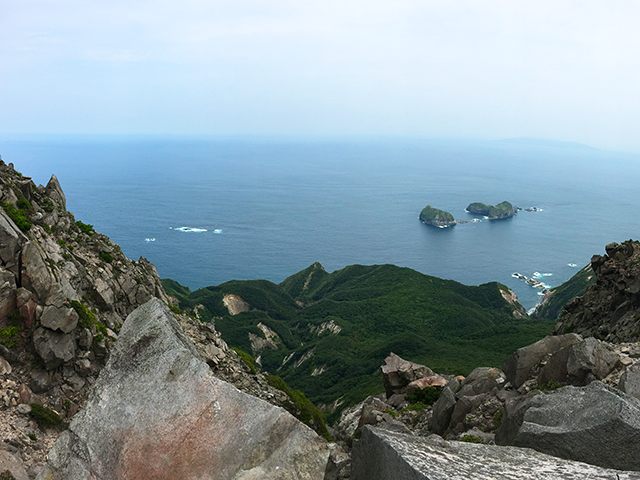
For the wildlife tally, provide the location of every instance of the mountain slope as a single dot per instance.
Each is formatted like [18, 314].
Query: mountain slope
[327, 333]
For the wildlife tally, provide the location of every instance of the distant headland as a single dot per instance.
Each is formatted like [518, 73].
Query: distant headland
[439, 218]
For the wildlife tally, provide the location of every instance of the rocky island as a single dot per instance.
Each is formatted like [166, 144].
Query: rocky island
[435, 217]
[494, 212]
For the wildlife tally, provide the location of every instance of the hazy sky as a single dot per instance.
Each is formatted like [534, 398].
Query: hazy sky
[567, 70]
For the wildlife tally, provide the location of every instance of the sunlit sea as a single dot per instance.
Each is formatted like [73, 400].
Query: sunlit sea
[209, 210]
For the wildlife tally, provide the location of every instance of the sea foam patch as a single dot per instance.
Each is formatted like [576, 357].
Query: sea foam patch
[189, 229]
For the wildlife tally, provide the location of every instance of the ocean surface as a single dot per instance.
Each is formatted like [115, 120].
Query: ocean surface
[208, 210]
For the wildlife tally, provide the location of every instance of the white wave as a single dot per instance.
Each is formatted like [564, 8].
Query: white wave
[572, 265]
[191, 229]
[217, 230]
[150, 239]
[540, 275]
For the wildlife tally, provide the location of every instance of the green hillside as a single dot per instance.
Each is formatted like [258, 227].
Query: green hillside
[378, 310]
[559, 296]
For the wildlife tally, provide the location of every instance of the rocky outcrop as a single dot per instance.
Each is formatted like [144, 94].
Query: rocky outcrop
[610, 309]
[383, 455]
[157, 411]
[398, 373]
[593, 424]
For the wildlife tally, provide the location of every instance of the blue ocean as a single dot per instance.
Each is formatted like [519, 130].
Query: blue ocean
[206, 210]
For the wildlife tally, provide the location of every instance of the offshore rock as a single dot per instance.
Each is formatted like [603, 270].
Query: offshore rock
[156, 411]
[384, 455]
[595, 424]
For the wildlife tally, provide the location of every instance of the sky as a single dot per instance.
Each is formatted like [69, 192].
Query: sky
[490, 69]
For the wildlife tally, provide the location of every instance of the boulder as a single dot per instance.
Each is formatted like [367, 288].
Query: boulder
[423, 383]
[520, 366]
[384, 455]
[156, 411]
[398, 373]
[64, 319]
[630, 382]
[35, 272]
[442, 410]
[9, 463]
[5, 367]
[481, 380]
[579, 363]
[7, 293]
[595, 424]
[26, 305]
[55, 348]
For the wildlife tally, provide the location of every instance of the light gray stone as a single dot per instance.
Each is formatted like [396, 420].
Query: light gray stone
[156, 411]
[5, 367]
[11, 241]
[64, 319]
[8, 462]
[54, 191]
[397, 373]
[481, 380]
[595, 424]
[384, 455]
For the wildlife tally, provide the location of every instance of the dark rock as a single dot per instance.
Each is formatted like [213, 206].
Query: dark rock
[520, 366]
[579, 363]
[40, 381]
[55, 348]
[384, 455]
[156, 411]
[442, 410]
[593, 424]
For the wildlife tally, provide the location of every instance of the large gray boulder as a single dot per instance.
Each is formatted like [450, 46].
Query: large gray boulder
[384, 455]
[579, 363]
[595, 424]
[522, 364]
[156, 411]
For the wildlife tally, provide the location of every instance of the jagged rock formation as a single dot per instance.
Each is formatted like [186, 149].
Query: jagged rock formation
[595, 424]
[383, 455]
[157, 411]
[610, 309]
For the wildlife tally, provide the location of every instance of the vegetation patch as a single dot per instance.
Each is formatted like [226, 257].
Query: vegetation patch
[427, 396]
[497, 417]
[469, 438]
[9, 335]
[106, 257]
[246, 358]
[6, 475]
[18, 216]
[85, 227]
[87, 318]
[46, 418]
[301, 407]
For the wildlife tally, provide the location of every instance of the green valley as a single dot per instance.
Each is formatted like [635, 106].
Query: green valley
[328, 333]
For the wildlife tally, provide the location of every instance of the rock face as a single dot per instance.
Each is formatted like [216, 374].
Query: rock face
[595, 424]
[398, 373]
[157, 411]
[610, 309]
[384, 455]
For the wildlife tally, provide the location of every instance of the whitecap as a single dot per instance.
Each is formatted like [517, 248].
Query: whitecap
[217, 230]
[150, 239]
[190, 229]
[540, 275]
[572, 265]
